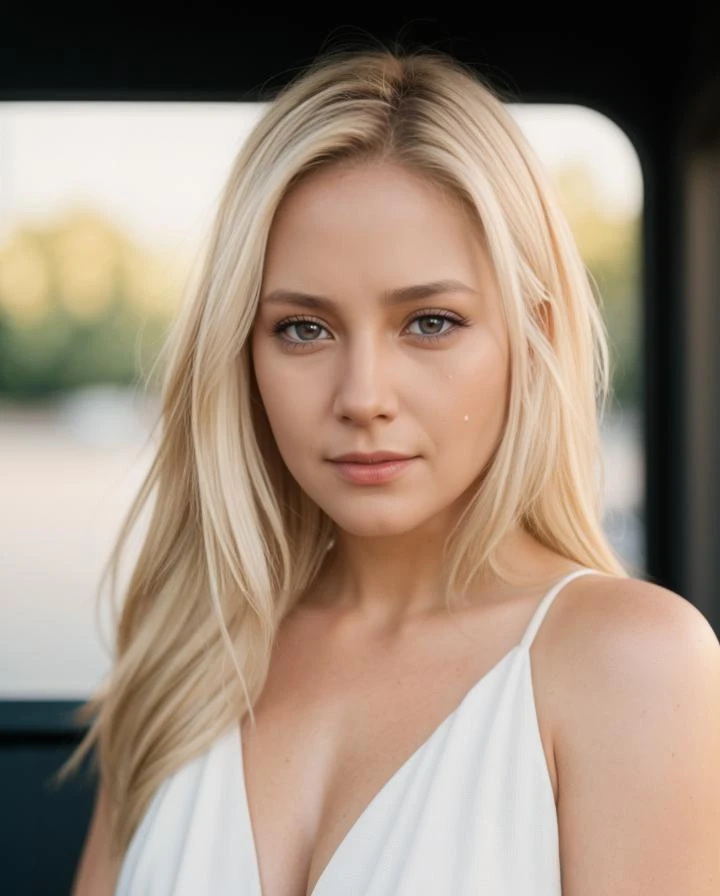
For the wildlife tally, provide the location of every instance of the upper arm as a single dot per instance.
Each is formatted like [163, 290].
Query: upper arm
[637, 745]
[97, 871]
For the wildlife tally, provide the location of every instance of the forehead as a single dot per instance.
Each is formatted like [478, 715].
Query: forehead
[370, 224]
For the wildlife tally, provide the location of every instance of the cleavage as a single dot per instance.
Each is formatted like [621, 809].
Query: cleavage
[327, 775]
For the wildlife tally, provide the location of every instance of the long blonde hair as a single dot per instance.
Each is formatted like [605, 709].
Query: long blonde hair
[232, 542]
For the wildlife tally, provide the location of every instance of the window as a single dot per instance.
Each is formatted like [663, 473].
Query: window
[103, 208]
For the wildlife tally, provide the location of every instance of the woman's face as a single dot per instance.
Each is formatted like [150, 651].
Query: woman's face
[396, 343]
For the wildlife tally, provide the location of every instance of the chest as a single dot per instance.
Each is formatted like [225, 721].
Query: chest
[339, 724]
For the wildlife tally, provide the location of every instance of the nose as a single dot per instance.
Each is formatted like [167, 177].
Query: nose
[364, 388]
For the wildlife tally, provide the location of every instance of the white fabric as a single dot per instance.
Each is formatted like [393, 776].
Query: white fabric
[471, 811]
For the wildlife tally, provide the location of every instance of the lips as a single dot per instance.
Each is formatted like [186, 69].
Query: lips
[375, 457]
[374, 473]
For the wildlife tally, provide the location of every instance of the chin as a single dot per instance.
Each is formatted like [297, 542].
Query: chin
[374, 524]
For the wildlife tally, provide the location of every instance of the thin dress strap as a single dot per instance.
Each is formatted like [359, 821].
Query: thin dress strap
[545, 603]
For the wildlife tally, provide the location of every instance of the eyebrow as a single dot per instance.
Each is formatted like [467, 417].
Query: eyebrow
[400, 296]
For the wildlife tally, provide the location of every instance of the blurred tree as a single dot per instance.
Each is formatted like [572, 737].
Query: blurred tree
[610, 246]
[80, 303]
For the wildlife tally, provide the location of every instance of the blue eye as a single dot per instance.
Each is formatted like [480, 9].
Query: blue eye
[297, 321]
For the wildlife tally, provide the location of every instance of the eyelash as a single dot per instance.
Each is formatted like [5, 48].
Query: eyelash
[281, 326]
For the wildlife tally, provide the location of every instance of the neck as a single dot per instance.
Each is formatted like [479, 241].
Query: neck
[385, 579]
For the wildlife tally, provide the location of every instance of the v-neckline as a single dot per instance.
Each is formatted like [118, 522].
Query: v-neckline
[245, 806]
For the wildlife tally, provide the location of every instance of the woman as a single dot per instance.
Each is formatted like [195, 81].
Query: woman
[377, 477]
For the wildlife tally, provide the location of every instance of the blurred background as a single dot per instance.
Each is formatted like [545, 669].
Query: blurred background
[104, 210]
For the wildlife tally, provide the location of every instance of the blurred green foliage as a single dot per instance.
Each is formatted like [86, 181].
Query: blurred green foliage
[610, 244]
[80, 304]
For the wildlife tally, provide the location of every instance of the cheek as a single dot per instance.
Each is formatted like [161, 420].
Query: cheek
[282, 412]
[287, 408]
[470, 396]
[270, 390]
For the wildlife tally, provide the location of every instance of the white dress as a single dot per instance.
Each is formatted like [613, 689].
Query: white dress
[471, 811]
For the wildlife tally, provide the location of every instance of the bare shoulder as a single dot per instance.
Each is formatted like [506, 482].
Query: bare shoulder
[621, 640]
[636, 735]
[625, 626]
[607, 615]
